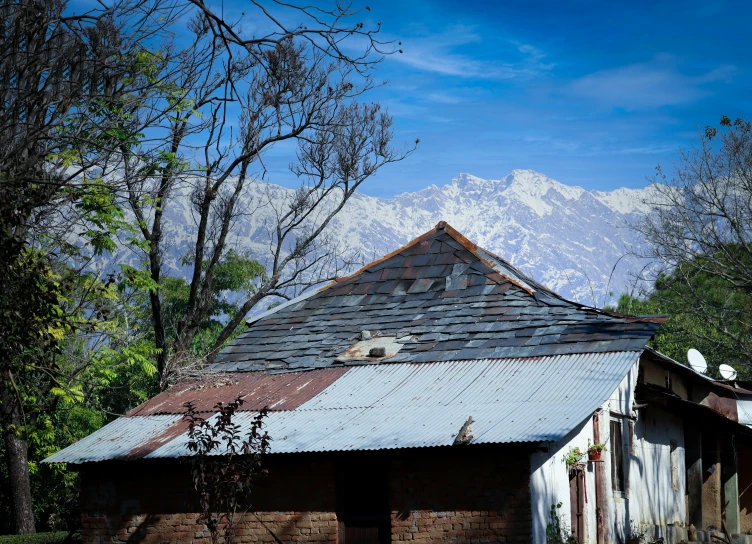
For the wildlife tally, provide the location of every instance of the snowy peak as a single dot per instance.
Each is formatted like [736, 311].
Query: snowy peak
[563, 236]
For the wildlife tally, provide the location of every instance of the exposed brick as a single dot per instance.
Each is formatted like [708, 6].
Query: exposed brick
[439, 495]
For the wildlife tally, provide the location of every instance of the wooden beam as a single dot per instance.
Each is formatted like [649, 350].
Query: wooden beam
[601, 489]
[693, 463]
[730, 479]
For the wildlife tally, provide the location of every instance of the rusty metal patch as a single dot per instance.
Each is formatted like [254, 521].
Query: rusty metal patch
[153, 443]
[724, 406]
[284, 391]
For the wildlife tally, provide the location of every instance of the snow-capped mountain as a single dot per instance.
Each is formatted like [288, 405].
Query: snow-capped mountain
[566, 237]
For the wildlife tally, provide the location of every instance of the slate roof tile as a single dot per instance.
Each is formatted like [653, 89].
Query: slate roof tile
[455, 300]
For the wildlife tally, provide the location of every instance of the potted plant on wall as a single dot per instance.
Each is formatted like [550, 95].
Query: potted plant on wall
[595, 451]
[573, 459]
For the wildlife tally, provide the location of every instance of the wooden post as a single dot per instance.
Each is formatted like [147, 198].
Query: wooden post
[730, 479]
[693, 462]
[601, 490]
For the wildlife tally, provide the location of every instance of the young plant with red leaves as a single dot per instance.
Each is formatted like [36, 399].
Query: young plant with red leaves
[225, 463]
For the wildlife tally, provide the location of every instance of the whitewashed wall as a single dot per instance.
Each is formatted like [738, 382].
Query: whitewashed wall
[650, 498]
[658, 499]
[549, 483]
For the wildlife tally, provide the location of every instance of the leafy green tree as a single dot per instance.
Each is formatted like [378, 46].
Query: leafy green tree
[700, 233]
[236, 277]
[677, 294]
[65, 85]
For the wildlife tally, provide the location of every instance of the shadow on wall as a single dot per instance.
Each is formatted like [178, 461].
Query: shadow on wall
[549, 481]
[656, 481]
[139, 534]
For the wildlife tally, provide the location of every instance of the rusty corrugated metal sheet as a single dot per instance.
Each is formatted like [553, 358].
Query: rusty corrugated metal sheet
[723, 405]
[284, 391]
[389, 406]
[117, 440]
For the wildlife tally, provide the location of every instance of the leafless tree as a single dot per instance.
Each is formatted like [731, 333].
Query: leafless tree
[700, 230]
[241, 96]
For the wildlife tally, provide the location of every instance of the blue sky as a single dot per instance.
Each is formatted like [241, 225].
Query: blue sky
[590, 93]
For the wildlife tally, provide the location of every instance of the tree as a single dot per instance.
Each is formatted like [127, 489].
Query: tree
[686, 328]
[235, 99]
[63, 79]
[700, 231]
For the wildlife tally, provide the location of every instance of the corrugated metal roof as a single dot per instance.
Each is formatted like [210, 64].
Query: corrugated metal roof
[116, 440]
[415, 405]
[276, 391]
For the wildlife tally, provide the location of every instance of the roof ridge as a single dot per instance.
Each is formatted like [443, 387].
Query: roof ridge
[440, 226]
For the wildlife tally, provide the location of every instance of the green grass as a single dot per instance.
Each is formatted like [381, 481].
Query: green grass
[39, 538]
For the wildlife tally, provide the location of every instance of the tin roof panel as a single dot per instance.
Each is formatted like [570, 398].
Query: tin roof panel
[404, 405]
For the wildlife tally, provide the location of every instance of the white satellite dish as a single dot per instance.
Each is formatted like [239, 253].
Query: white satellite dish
[697, 361]
[727, 372]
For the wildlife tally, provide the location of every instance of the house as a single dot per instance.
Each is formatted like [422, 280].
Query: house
[433, 396]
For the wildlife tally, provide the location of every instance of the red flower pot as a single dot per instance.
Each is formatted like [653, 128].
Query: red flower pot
[594, 455]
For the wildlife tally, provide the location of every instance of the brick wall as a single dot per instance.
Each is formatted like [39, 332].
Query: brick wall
[473, 493]
[153, 502]
[462, 497]
[182, 527]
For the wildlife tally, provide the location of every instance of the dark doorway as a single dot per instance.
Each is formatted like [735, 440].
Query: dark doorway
[363, 504]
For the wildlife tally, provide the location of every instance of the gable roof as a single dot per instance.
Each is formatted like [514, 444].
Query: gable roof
[465, 335]
[439, 298]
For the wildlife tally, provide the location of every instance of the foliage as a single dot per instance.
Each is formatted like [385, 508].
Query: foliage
[573, 457]
[225, 464]
[595, 447]
[556, 532]
[41, 538]
[700, 233]
[705, 313]
[236, 276]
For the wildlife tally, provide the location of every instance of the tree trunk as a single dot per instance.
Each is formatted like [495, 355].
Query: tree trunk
[17, 453]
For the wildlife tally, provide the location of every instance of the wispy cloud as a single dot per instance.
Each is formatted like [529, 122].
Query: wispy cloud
[445, 53]
[444, 98]
[648, 85]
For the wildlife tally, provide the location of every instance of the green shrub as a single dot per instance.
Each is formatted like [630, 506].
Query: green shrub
[40, 538]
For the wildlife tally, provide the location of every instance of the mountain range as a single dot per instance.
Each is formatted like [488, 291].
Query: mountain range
[574, 241]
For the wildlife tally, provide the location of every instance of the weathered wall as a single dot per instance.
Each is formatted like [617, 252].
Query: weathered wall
[153, 501]
[549, 483]
[657, 497]
[469, 493]
[744, 454]
[462, 497]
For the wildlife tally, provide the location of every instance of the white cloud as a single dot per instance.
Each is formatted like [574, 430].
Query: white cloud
[439, 54]
[648, 85]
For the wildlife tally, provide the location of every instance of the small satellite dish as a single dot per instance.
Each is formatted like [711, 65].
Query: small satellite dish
[727, 372]
[697, 361]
